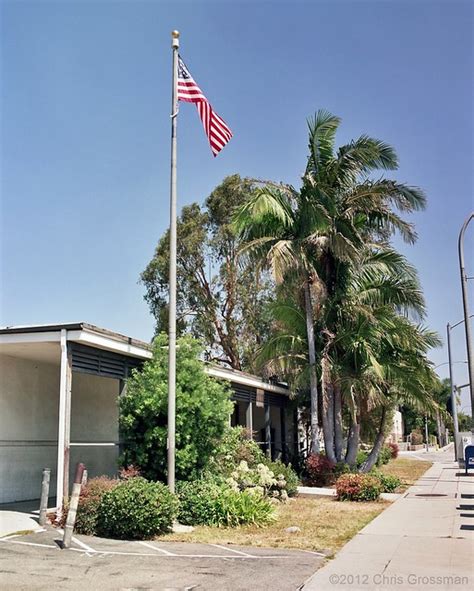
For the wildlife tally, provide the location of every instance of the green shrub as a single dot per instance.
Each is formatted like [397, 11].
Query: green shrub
[203, 406]
[416, 438]
[341, 468]
[136, 509]
[233, 448]
[388, 482]
[385, 456]
[239, 508]
[88, 506]
[357, 487]
[361, 457]
[208, 502]
[198, 501]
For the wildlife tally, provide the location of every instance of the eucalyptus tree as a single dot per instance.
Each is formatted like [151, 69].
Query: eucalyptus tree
[308, 237]
[219, 301]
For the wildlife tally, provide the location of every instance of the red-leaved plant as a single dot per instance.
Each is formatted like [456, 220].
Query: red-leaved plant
[320, 470]
[394, 449]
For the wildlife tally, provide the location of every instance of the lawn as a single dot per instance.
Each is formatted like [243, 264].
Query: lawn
[407, 470]
[325, 524]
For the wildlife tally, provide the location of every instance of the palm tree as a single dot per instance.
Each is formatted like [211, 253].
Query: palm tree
[306, 237]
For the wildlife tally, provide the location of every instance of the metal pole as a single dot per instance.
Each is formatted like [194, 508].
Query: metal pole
[44, 496]
[172, 278]
[454, 406]
[61, 424]
[426, 434]
[467, 320]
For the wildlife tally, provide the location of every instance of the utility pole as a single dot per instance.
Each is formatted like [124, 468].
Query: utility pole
[467, 320]
[454, 405]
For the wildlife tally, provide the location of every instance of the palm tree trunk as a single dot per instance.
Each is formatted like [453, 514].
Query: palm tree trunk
[338, 434]
[378, 443]
[353, 442]
[312, 368]
[328, 409]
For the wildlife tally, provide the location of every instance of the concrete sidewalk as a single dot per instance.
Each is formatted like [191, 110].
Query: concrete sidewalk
[420, 542]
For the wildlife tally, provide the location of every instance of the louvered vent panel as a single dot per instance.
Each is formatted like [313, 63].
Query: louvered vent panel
[102, 363]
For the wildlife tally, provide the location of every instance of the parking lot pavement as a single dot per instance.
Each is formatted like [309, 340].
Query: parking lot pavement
[36, 562]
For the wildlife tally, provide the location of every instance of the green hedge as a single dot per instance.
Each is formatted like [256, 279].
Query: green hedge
[136, 509]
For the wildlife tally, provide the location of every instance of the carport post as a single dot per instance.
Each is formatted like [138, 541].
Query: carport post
[62, 478]
[249, 418]
[268, 431]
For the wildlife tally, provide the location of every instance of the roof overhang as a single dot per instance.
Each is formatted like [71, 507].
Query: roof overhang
[42, 342]
[16, 338]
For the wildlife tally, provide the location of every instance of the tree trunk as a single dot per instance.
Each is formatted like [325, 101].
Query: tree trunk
[353, 443]
[441, 429]
[338, 434]
[328, 410]
[312, 368]
[378, 443]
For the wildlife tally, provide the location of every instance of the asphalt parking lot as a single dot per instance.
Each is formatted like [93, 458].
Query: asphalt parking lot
[36, 561]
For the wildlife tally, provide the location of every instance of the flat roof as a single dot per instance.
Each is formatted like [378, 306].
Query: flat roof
[96, 336]
[34, 328]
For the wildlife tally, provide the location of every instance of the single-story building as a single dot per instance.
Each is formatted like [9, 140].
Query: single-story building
[59, 390]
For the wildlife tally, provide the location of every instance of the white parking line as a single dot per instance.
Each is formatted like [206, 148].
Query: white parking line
[85, 546]
[30, 544]
[157, 549]
[313, 552]
[232, 550]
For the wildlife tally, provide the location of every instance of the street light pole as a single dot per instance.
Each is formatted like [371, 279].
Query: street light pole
[467, 320]
[453, 396]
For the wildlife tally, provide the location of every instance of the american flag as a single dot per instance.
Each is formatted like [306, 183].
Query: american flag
[216, 128]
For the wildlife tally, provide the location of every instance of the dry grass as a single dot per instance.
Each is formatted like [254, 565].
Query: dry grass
[325, 524]
[407, 470]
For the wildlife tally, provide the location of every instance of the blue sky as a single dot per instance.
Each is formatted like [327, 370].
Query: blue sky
[85, 133]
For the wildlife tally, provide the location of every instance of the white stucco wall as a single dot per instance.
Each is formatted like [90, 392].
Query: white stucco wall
[28, 426]
[94, 419]
[29, 401]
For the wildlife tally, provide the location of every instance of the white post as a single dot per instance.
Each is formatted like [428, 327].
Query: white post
[61, 423]
[172, 276]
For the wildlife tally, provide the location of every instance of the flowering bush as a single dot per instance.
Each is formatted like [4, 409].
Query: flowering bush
[235, 447]
[320, 470]
[260, 481]
[358, 487]
[394, 449]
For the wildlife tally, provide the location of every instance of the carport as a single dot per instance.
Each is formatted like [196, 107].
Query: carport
[59, 392]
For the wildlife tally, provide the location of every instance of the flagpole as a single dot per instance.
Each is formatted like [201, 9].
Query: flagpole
[172, 277]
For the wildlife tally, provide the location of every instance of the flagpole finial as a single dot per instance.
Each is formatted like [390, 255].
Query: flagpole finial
[174, 39]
